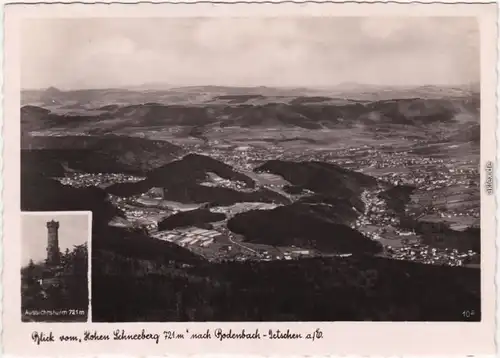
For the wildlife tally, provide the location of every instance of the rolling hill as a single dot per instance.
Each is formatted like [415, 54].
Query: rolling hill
[320, 177]
[197, 217]
[312, 226]
[98, 154]
[112, 110]
[39, 193]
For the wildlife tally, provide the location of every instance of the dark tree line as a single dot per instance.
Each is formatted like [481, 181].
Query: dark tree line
[357, 288]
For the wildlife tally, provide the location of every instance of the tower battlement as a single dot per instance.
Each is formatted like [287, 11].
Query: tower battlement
[53, 224]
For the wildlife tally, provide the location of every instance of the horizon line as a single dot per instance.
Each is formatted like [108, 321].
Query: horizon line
[292, 87]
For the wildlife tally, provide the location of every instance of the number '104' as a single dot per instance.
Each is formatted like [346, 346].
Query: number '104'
[468, 314]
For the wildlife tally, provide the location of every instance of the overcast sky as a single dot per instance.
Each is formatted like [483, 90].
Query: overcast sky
[73, 230]
[96, 53]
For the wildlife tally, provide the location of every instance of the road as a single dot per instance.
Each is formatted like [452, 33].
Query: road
[241, 245]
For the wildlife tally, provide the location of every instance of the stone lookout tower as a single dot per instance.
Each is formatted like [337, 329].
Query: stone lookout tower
[53, 253]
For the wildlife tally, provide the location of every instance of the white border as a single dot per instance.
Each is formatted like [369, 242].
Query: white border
[363, 338]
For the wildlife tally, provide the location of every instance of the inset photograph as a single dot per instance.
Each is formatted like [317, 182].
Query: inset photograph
[55, 266]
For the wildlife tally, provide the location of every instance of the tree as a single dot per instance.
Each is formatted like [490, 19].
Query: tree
[28, 274]
[74, 282]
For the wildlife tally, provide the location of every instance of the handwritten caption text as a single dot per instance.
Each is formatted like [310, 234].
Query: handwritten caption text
[219, 334]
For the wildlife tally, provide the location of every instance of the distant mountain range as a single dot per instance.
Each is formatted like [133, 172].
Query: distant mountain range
[252, 111]
[204, 94]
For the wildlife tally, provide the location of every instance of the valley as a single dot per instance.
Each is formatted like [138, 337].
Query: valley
[189, 194]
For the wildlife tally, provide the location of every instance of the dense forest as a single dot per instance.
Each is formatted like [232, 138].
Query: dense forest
[357, 288]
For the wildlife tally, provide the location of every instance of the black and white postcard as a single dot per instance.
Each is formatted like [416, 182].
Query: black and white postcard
[310, 179]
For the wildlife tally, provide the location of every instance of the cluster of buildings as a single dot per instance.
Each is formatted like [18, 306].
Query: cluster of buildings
[425, 254]
[288, 254]
[438, 173]
[189, 237]
[142, 219]
[124, 205]
[449, 212]
[425, 172]
[80, 180]
[235, 252]
[375, 213]
[216, 181]
[472, 212]
[242, 207]
[377, 224]
[139, 215]
[245, 158]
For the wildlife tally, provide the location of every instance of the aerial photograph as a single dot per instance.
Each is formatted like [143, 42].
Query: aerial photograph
[261, 169]
[54, 272]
